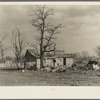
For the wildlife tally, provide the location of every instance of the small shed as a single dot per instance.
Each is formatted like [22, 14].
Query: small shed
[31, 58]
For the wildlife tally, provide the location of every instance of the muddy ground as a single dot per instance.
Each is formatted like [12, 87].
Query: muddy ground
[15, 77]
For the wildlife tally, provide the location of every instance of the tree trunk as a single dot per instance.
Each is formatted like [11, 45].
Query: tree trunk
[2, 58]
[17, 60]
[17, 65]
[41, 61]
[41, 45]
[41, 52]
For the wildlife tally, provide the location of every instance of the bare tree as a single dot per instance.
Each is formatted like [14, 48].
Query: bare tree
[85, 55]
[77, 55]
[18, 43]
[2, 47]
[35, 48]
[47, 32]
[2, 51]
[97, 50]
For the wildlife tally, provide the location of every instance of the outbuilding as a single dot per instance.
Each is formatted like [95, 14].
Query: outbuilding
[30, 58]
[59, 58]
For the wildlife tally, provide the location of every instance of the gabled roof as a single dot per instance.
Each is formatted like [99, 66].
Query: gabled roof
[65, 56]
[32, 52]
[58, 54]
[61, 56]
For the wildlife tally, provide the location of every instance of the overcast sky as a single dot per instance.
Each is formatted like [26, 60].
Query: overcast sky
[82, 22]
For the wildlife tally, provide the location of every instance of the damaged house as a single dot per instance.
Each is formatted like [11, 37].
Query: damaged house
[59, 58]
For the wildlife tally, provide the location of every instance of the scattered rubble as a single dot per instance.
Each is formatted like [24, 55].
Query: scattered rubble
[59, 69]
[91, 65]
[48, 69]
[56, 69]
[96, 67]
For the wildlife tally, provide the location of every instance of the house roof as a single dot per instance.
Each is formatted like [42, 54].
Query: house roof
[58, 54]
[65, 55]
[32, 52]
[61, 52]
[61, 56]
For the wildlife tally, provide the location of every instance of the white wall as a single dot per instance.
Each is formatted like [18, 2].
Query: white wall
[69, 62]
[49, 62]
[38, 63]
[59, 62]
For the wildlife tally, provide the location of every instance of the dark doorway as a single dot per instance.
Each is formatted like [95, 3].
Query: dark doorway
[54, 61]
[64, 61]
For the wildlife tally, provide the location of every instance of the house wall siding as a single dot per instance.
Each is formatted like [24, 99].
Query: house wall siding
[69, 62]
[59, 62]
[38, 63]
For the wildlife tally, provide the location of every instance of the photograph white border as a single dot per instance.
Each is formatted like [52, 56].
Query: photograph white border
[49, 92]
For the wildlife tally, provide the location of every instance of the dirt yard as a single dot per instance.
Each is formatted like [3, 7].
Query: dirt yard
[42, 78]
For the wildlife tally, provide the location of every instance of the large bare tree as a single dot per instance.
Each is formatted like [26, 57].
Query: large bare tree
[18, 43]
[2, 51]
[47, 31]
[85, 55]
[97, 50]
[2, 47]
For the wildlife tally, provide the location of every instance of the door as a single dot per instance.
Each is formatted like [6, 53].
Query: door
[64, 61]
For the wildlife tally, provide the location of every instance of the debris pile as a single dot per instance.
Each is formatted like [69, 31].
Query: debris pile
[93, 65]
[59, 69]
[48, 69]
[96, 67]
[55, 69]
